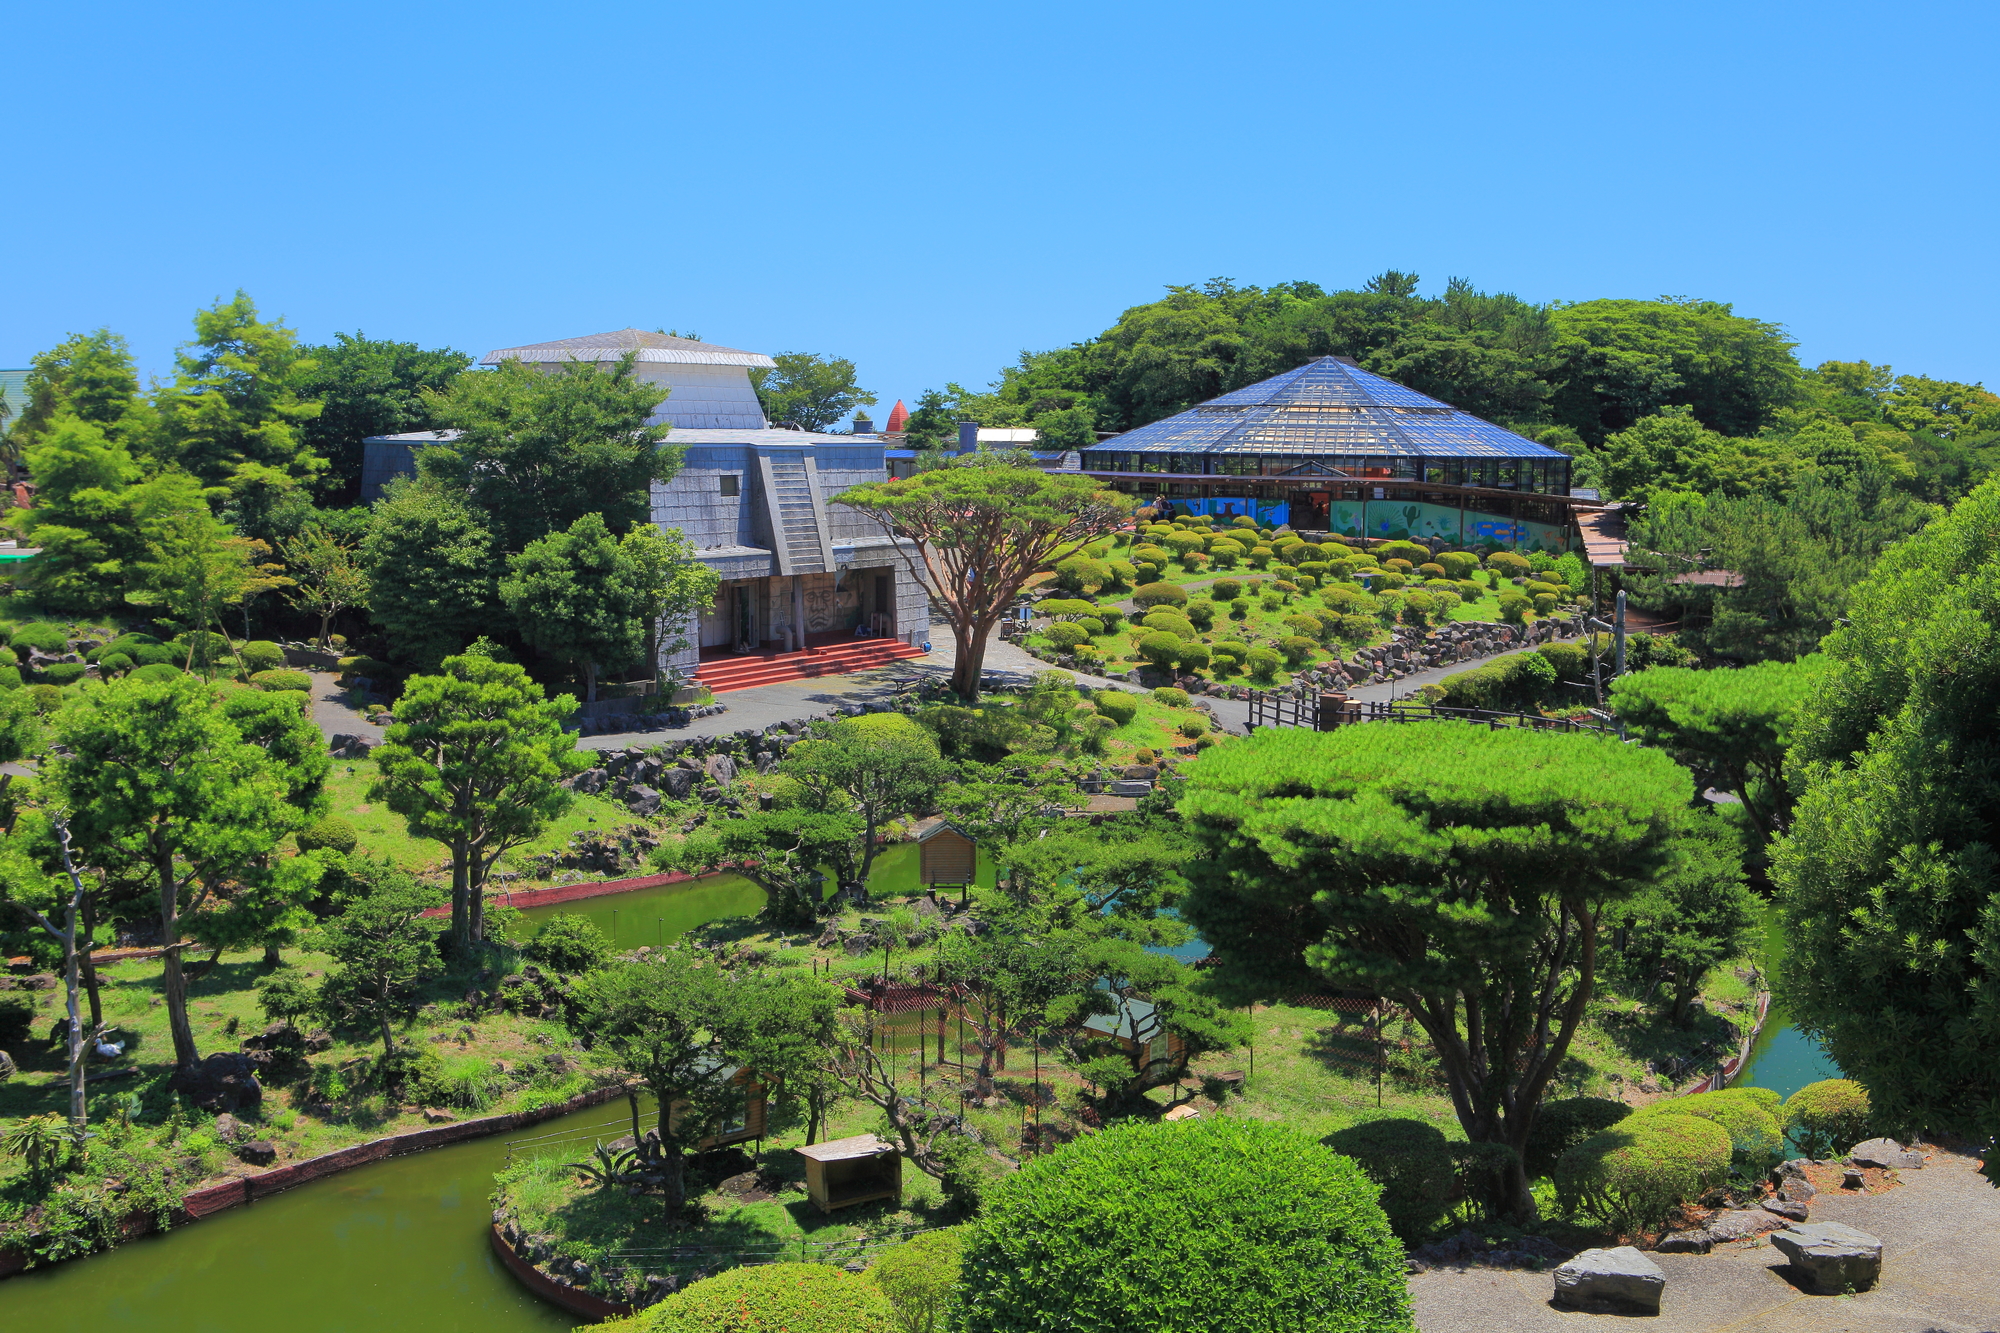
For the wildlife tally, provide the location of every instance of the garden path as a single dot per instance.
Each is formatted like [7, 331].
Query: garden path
[1940, 1274]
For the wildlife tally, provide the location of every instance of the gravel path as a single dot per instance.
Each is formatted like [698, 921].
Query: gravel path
[1940, 1274]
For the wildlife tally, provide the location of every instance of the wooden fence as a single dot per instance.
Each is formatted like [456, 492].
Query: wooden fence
[1325, 712]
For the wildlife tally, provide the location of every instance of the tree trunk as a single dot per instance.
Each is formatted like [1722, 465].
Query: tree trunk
[461, 907]
[388, 1037]
[72, 988]
[325, 620]
[173, 984]
[206, 966]
[89, 967]
[272, 956]
[971, 657]
[815, 1113]
[1684, 989]
[589, 682]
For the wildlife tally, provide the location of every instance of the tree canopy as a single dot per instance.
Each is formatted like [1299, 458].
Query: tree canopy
[1887, 883]
[368, 386]
[1461, 873]
[808, 391]
[975, 533]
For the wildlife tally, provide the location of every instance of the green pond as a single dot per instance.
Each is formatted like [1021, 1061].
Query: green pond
[396, 1245]
[1782, 1058]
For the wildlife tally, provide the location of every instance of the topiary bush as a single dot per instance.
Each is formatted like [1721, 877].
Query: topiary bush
[1066, 634]
[1263, 663]
[1080, 573]
[919, 1277]
[1297, 648]
[1226, 1225]
[282, 680]
[1410, 1160]
[1458, 564]
[327, 833]
[1829, 1116]
[48, 698]
[1756, 1139]
[1225, 590]
[770, 1298]
[1545, 603]
[1161, 648]
[1160, 594]
[1562, 1124]
[568, 942]
[261, 655]
[62, 673]
[43, 636]
[1117, 705]
[1508, 565]
[1194, 655]
[1635, 1176]
[1173, 622]
[113, 664]
[156, 671]
[1170, 696]
[1194, 728]
[1202, 614]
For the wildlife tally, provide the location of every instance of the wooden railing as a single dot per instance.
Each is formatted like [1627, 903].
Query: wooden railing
[1324, 712]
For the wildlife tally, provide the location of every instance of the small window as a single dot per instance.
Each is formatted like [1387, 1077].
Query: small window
[729, 482]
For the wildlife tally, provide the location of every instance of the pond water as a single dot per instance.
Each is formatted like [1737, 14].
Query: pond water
[1782, 1058]
[396, 1245]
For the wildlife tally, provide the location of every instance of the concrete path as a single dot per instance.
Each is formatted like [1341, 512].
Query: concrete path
[1940, 1274]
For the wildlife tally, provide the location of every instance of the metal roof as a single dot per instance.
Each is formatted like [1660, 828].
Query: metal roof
[1134, 1018]
[611, 346]
[768, 436]
[1328, 406]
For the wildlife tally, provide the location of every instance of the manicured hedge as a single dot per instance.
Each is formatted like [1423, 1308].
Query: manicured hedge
[261, 655]
[156, 671]
[329, 832]
[1635, 1175]
[1161, 647]
[919, 1278]
[1829, 1116]
[1066, 634]
[42, 635]
[1159, 594]
[62, 673]
[1170, 696]
[1222, 1225]
[770, 1298]
[1411, 1161]
[1757, 1140]
[282, 680]
[1117, 705]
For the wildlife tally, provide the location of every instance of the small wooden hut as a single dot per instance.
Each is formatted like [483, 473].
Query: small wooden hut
[1140, 1035]
[947, 854]
[748, 1122]
[850, 1171]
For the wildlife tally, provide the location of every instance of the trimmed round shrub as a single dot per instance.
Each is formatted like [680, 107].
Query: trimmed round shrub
[1226, 590]
[1400, 566]
[156, 671]
[1226, 554]
[1536, 588]
[48, 698]
[1194, 655]
[770, 1298]
[1173, 622]
[62, 673]
[1297, 648]
[1263, 663]
[1260, 557]
[1229, 1225]
[1430, 569]
[1635, 1175]
[366, 666]
[1829, 1116]
[1201, 613]
[1066, 634]
[114, 664]
[1458, 564]
[1402, 550]
[1160, 594]
[1111, 617]
[1080, 573]
[261, 655]
[1410, 1161]
[1123, 573]
[10, 678]
[1392, 579]
[1170, 696]
[327, 833]
[1239, 608]
[1161, 647]
[1090, 625]
[282, 680]
[568, 942]
[919, 1276]
[155, 654]
[1514, 608]
[1065, 608]
[43, 636]
[1270, 601]
[1117, 705]
[1312, 627]
[1545, 603]
[1562, 1124]
[1507, 564]
[1756, 1139]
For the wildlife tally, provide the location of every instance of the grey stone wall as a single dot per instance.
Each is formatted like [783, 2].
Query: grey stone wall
[693, 501]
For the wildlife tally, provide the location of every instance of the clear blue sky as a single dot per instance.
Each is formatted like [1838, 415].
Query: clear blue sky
[931, 188]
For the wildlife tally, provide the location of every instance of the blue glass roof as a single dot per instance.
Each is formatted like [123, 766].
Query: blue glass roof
[1328, 407]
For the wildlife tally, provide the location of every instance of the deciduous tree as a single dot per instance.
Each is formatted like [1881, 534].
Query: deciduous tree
[233, 417]
[1697, 915]
[875, 768]
[973, 534]
[368, 386]
[433, 572]
[807, 391]
[1460, 873]
[326, 575]
[381, 952]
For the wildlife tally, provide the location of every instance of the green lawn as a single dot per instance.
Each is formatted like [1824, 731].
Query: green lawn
[383, 832]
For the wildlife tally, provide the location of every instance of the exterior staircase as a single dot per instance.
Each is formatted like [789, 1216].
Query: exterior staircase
[798, 518]
[723, 674]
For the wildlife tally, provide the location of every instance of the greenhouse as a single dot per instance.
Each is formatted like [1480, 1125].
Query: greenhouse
[1331, 447]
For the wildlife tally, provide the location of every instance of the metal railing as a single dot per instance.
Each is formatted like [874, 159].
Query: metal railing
[1325, 712]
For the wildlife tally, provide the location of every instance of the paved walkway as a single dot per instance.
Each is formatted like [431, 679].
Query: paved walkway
[1940, 1274]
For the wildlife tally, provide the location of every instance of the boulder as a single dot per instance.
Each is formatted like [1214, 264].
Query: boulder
[678, 783]
[1793, 1210]
[1686, 1242]
[437, 1117]
[40, 981]
[1743, 1224]
[1622, 1276]
[257, 1152]
[591, 781]
[722, 768]
[319, 1039]
[228, 1127]
[1797, 1191]
[1885, 1153]
[1131, 788]
[643, 801]
[1835, 1257]
[1142, 772]
[225, 1081]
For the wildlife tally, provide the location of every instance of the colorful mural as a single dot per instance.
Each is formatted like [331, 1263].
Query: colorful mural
[1400, 519]
[1268, 513]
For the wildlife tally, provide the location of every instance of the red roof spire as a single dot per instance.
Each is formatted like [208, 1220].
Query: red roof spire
[899, 416]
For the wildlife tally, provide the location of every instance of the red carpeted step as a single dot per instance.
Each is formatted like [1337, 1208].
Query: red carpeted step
[741, 673]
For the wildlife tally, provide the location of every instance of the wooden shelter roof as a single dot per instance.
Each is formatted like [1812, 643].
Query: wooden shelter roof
[846, 1150]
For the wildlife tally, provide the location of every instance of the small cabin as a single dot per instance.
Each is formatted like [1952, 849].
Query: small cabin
[843, 1172]
[947, 854]
[745, 1123]
[1136, 1028]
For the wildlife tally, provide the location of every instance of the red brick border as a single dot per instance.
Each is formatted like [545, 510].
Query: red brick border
[569, 893]
[546, 1287]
